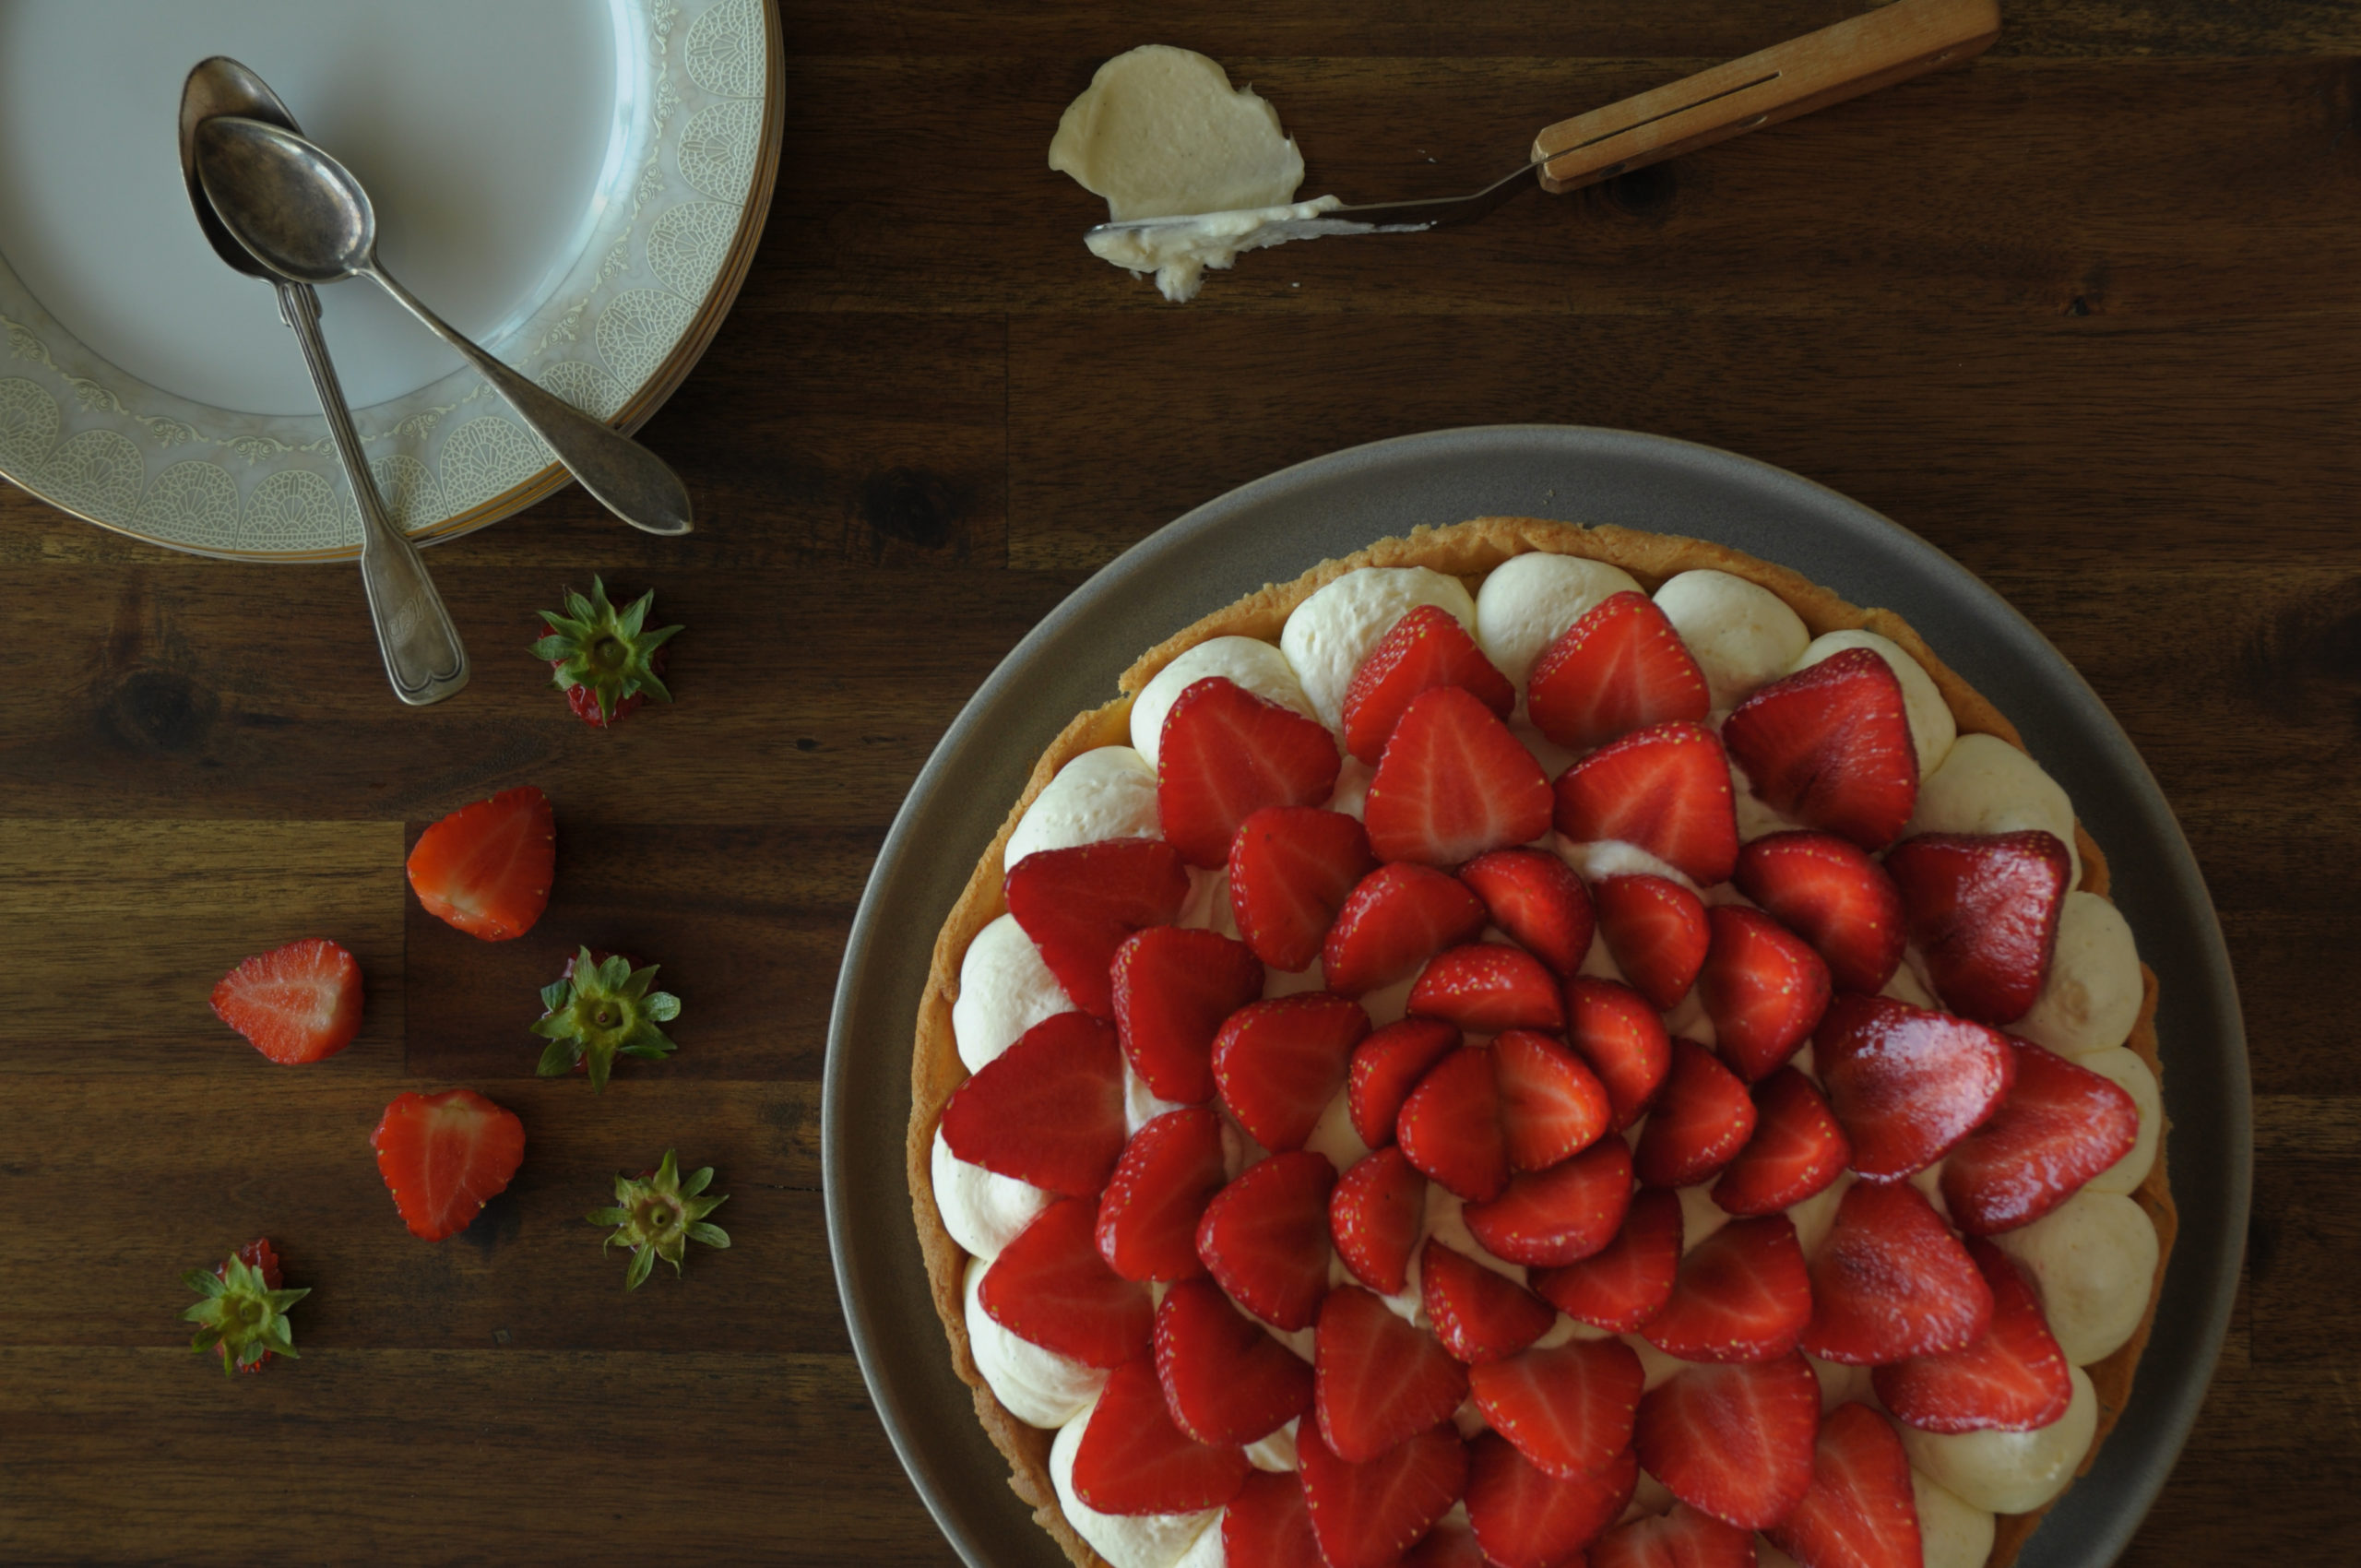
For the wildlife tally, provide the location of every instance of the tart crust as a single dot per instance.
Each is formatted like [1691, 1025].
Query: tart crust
[1468, 551]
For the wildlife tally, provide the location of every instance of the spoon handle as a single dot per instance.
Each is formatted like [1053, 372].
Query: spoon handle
[627, 478]
[424, 656]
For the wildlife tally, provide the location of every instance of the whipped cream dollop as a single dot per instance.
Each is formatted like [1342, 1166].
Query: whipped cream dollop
[2122, 1066]
[1179, 252]
[2092, 1259]
[1985, 785]
[1040, 1387]
[2090, 997]
[984, 1210]
[1741, 633]
[1126, 1540]
[1106, 792]
[1529, 601]
[1004, 990]
[1331, 632]
[1952, 1532]
[2009, 1472]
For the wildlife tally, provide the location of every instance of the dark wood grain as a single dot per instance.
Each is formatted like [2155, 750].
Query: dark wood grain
[2087, 315]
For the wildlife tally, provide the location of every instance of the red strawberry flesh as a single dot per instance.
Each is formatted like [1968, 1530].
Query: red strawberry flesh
[1048, 1110]
[1620, 668]
[1763, 987]
[1279, 1063]
[1266, 1238]
[1133, 1459]
[1049, 1287]
[1377, 1379]
[1703, 1118]
[1486, 987]
[1623, 1039]
[1080, 905]
[1626, 1282]
[1983, 907]
[1656, 932]
[1398, 918]
[1450, 1128]
[1569, 1408]
[1552, 1106]
[2060, 1125]
[1224, 754]
[1454, 783]
[1891, 1281]
[1829, 747]
[1797, 1150]
[1538, 900]
[1826, 890]
[1526, 1518]
[296, 1004]
[1906, 1084]
[1479, 1315]
[1860, 1508]
[1173, 990]
[1666, 789]
[486, 867]
[1544, 1218]
[1149, 1217]
[1734, 1440]
[445, 1155]
[1366, 1515]
[1375, 1216]
[1290, 870]
[2013, 1379]
[1225, 1380]
[1427, 647]
[1386, 1066]
[1742, 1294]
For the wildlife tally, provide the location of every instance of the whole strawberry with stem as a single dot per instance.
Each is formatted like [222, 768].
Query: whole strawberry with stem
[243, 1313]
[658, 1215]
[599, 1010]
[607, 662]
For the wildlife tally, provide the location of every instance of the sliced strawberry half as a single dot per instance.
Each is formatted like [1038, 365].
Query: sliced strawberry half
[1891, 1281]
[1051, 1288]
[1860, 1508]
[1454, 782]
[1797, 1150]
[445, 1155]
[486, 867]
[1526, 1518]
[1763, 987]
[1826, 890]
[1983, 907]
[1377, 1379]
[1133, 1459]
[1620, 668]
[1907, 1084]
[1450, 1544]
[1048, 1110]
[1702, 1120]
[1375, 1216]
[1681, 1539]
[1623, 1039]
[1290, 870]
[1268, 1526]
[1568, 1408]
[1386, 1066]
[1734, 1439]
[1561, 1214]
[1224, 754]
[1079, 904]
[1266, 1238]
[1427, 648]
[1173, 989]
[1829, 747]
[2013, 1379]
[1486, 987]
[1666, 789]
[1742, 1295]
[1537, 900]
[1551, 1105]
[1225, 1380]
[1171, 1171]
[295, 1003]
[1628, 1281]
[2060, 1125]
[1397, 919]
[1367, 1514]
[1656, 932]
[1479, 1315]
[1280, 1061]
[1451, 1128]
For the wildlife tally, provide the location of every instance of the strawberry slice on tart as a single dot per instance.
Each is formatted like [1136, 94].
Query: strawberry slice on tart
[1393, 922]
[1552, 1107]
[1526, 1518]
[1290, 871]
[1225, 1380]
[1450, 1129]
[1562, 1215]
[1052, 1288]
[1682, 1538]
[1266, 1238]
[1702, 1120]
[1656, 932]
[1763, 987]
[1828, 891]
[1891, 1281]
[1174, 990]
[1133, 1459]
[1983, 907]
[1615, 1031]
[1733, 1440]
[1268, 1525]
[1486, 987]
[1907, 1085]
[1538, 900]
[1224, 754]
[1375, 1215]
[2013, 1379]
[1048, 1110]
[1079, 904]
[1367, 1513]
[1427, 647]
[1742, 1294]
[1148, 1216]
[1377, 1379]
[1568, 1408]
[2060, 1125]
[1453, 783]
[1279, 1063]
[1860, 1508]
[1666, 789]
[1479, 1315]
[1620, 668]
[1627, 1281]
[1386, 1066]
[1797, 1150]
[1829, 747]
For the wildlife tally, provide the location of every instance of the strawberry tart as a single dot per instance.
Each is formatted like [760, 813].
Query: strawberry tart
[1542, 1045]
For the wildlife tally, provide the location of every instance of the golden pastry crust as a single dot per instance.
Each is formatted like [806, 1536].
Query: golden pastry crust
[1468, 551]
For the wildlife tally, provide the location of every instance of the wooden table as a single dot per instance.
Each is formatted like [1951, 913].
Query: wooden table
[2087, 315]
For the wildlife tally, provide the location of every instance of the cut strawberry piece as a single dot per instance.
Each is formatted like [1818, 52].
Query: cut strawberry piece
[1568, 1408]
[1398, 918]
[1225, 1380]
[1734, 1440]
[1367, 1514]
[1763, 987]
[1427, 648]
[1051, 1288]
[1449, 1545]
[1451, 1126]
[1860, 1510]
[1666, 789]
[1454, 782]
[1266, 1238]
[1656, 932]
[1224, 754]
[1983, 907]
[1133, 1459]
[1386, 1067]
[1828, 892]
[1375, 1217]
[1486, 987]
[1891, 1281]
[1628, 1281]
[2060, 1125]
[1624, 1042]
[1279, 1063]
[1080, 905]
[1377, 1379]
[1268, 1526]
[295, 1003]
[1478, 1315]
[1173, 989]
[1048, 1110]
[445, 1155]
[1551, 1105]
[1907, 1084]
[1526, 1518]
[1290, 870]
[1620, 668]
[1171, 1171]
[1682, 1539]
[1742, 1295]
[1537, 900]
[1561, 1214]
[486, 867]
[1797, 1150]
[1701, 1122]
[1829, 747]
[2013, 1379]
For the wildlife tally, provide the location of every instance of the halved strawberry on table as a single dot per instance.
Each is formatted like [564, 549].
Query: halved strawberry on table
[1174, 987]
[1133, 1459]
[1891, 1281]
[2013, 1379]
[1486, 987]
[1080, 904]
[1377, 1379]
[1048, 1111]
[1742, 1294]
[1538, 900]
[2060, 1125]
[1656, 932]
[1665, 788]
[1427, 647]
[445, 1155]
[1763, 987]
[1907, 1085]
[1627, 1281]
[1366, 1515]
[1453, 783]
[1394, 920]
[1829, 747]
[1681, 1538]
[1290, 870]
[1983, 907]
[1226, 753]
[1225, 1380]
[1620, 668]
[1149, 1214]
[296, 1004]
[1543, 1218]
[1568, 1408]
[1860, 1511]
[1386, 1066]
[1375, 1216]
[1828, 891]
[1797, 1150]
[486, 868]
[1526, 1518]
[1733, 1440]
[1615, 1031]
[1049, 1287]
[1478, 1314]
[1703, 1118]
[1278, 1063]
[1266, 1238]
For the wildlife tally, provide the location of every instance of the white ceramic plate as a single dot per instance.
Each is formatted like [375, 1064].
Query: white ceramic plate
[577, 185]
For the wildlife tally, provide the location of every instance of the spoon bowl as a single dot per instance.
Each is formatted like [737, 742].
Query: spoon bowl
[215, 87]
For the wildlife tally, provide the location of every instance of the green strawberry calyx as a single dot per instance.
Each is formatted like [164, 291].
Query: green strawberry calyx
[656, 1215]
[595, 645]
[603, 1009]
[241, 1317]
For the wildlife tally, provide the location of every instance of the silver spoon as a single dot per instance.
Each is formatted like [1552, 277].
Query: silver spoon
[304, 217]
[424, 658]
